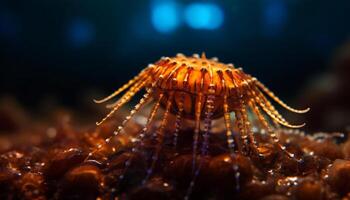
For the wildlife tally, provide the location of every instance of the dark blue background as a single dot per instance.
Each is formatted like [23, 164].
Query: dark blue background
[67, 47]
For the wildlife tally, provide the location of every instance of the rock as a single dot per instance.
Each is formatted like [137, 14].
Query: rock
[339, 176]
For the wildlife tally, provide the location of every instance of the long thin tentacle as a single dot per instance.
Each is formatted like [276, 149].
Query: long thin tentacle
[141, 136]
[229, 136]
[178, 120]
[269, 108]
[256, 93]
[124, 99]
[273, 116]
[271, 134]
[231, 142]
[209, 103]
[124, 87]
[136, 87]
[243, 112]
[239, 120]
[142, 82]
[279, 101]
[160, 138]
[208, 123]
[151, 116]
[243, 133]
[198, 111]
[247, 126]
[146, 98]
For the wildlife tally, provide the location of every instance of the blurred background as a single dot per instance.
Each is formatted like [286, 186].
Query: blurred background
[68, 51]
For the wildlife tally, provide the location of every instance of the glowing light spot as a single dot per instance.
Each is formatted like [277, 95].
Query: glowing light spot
[227, 159]
[165, 16]
[204, 16]
[80, 32]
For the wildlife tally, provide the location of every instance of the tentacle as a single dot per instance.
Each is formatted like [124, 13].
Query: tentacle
[274, 117]
[205, 144]
[259, 115]
[229, 136]
[146, 98]
[142, 82]
[207, 123]
[124, 99]
[241, 130]
[271, 134]
[132, 91]
[231, 141]
[257, 93]
[269, 108]
[152, 115]
[243, 133]
[141, 136]
[124, 87]
[227, 118]
[243, 116]
[198, 111]
[242, 112]
[247, 125]
[178, 120]
[279, 101]
[160, 137]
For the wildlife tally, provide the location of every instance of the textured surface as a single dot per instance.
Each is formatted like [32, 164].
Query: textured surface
[42, 161]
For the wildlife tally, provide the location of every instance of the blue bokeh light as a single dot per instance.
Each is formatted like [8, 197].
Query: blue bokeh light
[165, 16]
[204, 16]
[8, 25]
[80, 32]
[274, 16]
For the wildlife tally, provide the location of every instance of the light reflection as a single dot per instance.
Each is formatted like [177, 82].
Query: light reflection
[165, 16]
[204, 16]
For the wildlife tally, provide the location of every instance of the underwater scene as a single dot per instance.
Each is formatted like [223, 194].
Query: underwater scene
[175, 99]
